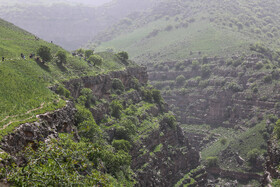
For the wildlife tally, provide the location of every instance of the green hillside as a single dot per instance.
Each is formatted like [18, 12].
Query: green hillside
[24, 83]
[180, 29]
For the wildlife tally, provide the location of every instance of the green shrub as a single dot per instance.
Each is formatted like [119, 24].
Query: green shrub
[96, 60]
[276, 130]
[205, 60]
[267, 79]
[90, 130]
[147, 95]
[234, 87]
[82, 114]
[116, 108]
[87, 98]
[117, 85]
[135, 84]
[121, 145]
[253, 155]
[156, 95]
[259, 65]
[61, 56]
[205, 70]
[195, 65]
[212, 162]
[63, 91]
[223, 141]
[180, 79]
[170, 119]
[123, 55]
[88, 53]
[45, 53]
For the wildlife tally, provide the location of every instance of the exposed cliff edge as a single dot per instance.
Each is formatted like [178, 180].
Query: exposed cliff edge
[47, 126]
[161, 168]
[227, 107]
[161, 154]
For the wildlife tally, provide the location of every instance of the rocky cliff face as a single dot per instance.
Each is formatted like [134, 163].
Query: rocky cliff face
[272, 162]
[239, 94]
[47, 126]
[216, 93]
[166, 167]
[176, 156]
[159, 158]
[101, 84]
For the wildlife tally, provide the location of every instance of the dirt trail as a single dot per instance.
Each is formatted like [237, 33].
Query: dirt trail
[28, 112]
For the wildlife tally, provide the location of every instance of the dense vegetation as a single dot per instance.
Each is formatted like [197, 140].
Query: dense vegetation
[177, 29]
[24, 82]
[217, 99]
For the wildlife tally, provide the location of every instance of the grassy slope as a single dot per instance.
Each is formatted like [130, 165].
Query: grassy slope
[218, 28]
[23, 83]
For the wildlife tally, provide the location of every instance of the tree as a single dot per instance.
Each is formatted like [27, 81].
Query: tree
[277, 129]
[253, 156]
[116, 108]
[88, 53]
[123, 55]
[96, 59]
[212, 162]
[61, 55]
[45, 53]
[180, 79]
[80, 51]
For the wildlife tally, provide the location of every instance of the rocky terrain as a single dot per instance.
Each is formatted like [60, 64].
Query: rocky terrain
[218, 99]
[161, 155]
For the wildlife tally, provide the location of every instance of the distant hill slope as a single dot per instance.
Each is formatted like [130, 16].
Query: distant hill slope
[180, 29]
[24, 83]
[68, 24]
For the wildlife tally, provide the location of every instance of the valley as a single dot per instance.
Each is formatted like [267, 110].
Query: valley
[153, 93]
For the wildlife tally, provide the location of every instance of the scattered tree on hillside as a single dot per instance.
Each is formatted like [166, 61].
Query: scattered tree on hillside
[96, 60]
[45, 53]
[123, 55]
[80, 51]
[61, 55]
[88, 53]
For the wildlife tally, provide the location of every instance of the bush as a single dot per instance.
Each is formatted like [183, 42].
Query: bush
[123, 55]
[212, 162]
[267, 79]
[87, 98]
[205, 60]
[223, 141]
[234, 87]
[259, 65]
[63, 91]
[121, 145]
[156, 95]
[135, 84]
[61, 55]
[125, 130]
[205, 70]
[170, 119]
[180, 79]
[116, 108]
[82, 114]
[88, 53]
[45, 53]
[96, 60]
[276, 130]
[117, 85]
[147, 95]
[90, 130]
[195, 65]
[253, 155]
